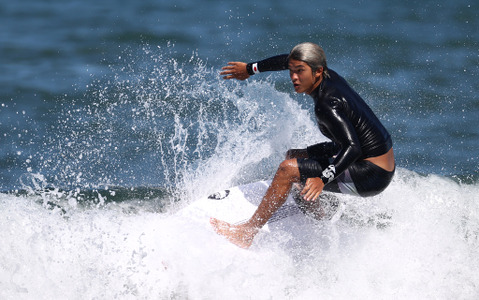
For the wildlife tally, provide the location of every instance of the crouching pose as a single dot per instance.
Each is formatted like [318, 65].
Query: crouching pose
[359, 160]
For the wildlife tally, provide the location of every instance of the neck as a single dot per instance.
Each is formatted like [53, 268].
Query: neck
[315, 85]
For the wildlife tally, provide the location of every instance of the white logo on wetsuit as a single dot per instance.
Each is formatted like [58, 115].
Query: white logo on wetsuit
[329, 173]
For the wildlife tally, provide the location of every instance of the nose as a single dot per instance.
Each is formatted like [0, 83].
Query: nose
[293, 76]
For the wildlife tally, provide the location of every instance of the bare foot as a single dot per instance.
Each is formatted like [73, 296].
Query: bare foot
[241, 235]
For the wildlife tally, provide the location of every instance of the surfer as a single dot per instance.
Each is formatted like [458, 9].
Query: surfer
[358, 160]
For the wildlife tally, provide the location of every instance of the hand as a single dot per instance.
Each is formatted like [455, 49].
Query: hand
[236, 70]
[312, 188]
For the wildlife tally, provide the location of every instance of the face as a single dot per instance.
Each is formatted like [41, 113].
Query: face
[303, 78]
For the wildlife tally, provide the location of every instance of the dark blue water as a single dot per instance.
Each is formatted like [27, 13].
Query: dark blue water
[415, 64]
[105, 99]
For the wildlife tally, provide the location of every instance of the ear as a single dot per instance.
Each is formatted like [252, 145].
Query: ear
[319, 72]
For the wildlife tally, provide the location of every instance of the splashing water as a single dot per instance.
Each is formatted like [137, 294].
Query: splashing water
[176, 126]
[179, 128]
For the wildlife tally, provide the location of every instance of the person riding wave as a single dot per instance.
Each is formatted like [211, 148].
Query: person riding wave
[359, 159]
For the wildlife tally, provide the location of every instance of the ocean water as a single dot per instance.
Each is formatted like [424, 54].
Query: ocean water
[113, 117]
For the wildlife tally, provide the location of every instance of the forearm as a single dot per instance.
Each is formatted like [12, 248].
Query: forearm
[342, 132]
[346, 157]
[241, 71]
[275, 63]
[323, 149]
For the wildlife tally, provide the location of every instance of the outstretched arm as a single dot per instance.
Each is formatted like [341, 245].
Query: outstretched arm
[242, 71]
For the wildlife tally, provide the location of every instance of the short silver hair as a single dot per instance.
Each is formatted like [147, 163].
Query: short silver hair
[313, 55]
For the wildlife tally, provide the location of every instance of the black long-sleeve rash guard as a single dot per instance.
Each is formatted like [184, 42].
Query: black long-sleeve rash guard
[275, 63]
[342, 116]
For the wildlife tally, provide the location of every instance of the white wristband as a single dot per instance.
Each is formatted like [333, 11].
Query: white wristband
[254, 67]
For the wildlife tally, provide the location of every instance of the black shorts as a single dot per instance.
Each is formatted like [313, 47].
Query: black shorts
[362, 178]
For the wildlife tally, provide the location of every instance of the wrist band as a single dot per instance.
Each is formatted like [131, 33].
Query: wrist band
[249, 68]
[328, 174]
[255, 69]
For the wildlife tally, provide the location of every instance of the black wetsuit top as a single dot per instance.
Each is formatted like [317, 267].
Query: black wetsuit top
[343, 116]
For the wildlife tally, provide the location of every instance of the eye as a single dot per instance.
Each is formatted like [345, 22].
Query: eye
[295, 71]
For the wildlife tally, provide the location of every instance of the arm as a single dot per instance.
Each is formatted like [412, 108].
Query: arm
[325, 148]
[344, 134]
[275, 63]
[242, 71]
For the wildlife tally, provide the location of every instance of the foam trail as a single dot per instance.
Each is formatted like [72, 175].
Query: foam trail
[197, 134]
[408, 242]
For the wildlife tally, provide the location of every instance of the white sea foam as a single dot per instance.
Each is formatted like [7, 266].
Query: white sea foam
[419, 239]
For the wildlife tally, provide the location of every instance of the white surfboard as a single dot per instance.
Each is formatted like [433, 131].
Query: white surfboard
[237, 204]
[288, 226]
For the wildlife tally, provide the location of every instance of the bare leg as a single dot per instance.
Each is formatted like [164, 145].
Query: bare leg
[242, 235]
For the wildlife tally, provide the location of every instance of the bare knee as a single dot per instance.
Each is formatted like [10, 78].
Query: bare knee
[288, 169]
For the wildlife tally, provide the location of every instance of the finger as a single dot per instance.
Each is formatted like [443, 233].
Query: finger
[305, 193]
[305, 189]
[227, 71]
[310, 194]
[230, 65]
[314, 196]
